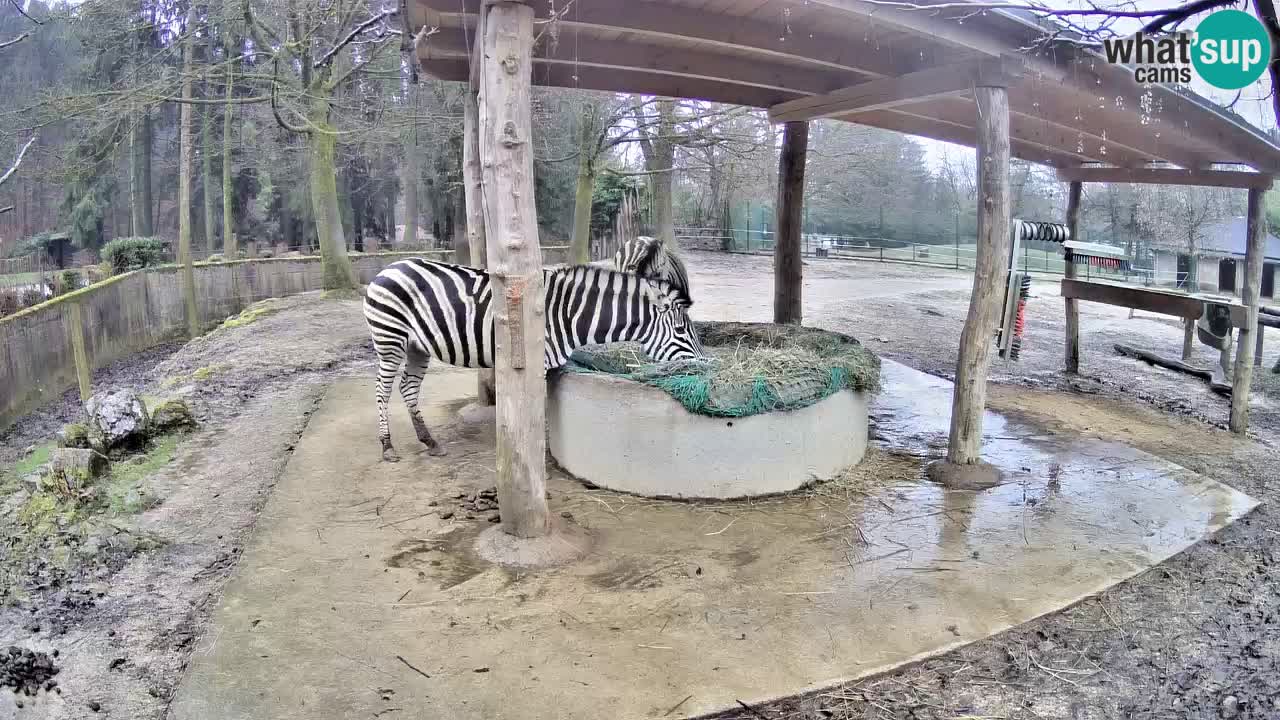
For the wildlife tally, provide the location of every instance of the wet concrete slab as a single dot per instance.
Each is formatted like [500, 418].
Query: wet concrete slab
[356, 599]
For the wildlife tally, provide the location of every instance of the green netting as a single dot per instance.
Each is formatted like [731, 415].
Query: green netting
[755, 368]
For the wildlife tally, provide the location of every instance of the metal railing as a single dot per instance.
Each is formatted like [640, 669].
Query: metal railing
[956, 256]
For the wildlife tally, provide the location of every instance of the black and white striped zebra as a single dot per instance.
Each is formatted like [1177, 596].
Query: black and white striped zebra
[651, 258]
[419, 309]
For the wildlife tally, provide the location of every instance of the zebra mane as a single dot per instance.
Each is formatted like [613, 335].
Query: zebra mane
[655, 254]
[662, 286]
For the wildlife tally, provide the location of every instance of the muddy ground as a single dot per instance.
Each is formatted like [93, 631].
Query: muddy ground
[1197, 637]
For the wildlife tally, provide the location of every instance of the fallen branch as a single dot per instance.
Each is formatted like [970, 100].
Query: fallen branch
[1176, 365]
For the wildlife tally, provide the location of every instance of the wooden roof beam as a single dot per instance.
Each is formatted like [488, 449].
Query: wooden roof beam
[915, 87]
[696, 64]
[850, 52]
[910, 124]
[1167, 176]
[621, 81]
[1078, 112]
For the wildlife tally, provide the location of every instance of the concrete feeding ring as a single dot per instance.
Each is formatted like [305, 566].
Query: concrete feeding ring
[632, 437]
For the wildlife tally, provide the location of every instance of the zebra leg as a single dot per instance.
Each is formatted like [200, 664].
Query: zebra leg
[415, 367]
[387, 367]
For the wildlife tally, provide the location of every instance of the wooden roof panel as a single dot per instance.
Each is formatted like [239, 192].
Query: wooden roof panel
[763, 52]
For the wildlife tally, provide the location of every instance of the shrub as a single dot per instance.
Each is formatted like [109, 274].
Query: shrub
[65, 282]
[133, 253]
[12, 300]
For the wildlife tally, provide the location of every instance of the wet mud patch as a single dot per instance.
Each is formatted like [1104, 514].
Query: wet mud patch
[447, 560]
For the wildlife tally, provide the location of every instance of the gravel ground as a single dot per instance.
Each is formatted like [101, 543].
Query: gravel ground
[1198, 637]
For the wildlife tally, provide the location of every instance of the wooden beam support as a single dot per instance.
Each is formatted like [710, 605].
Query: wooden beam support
[1162, 302]
[515, 265]
[473, 198]
[883, 93]
[1167, 176]
[788, 267]
[1242, 376]
[991, 265]
[1073, 308]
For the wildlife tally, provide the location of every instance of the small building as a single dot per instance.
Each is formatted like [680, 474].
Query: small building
[1219, 261]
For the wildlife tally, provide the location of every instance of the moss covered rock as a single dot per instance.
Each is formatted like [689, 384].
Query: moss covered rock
[171, 415]
[74, 435]
[72, 471]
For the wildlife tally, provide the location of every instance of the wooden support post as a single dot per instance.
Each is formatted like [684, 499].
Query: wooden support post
[1069, 272]
[473, 198]
[515, 264]
[1257, 350]
[788, 266]
[75, 331]
[1188, 337]
[1249, 296]
[992, 264]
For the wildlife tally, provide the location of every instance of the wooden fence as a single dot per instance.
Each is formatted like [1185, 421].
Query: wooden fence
[50, 348]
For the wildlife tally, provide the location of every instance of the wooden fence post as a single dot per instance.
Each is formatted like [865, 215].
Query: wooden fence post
[1069, 272]
[1242, 377]
[515, 264]
[75, 332]
[1188, 338]
[992, 264]
[788, 267]
[473, 197]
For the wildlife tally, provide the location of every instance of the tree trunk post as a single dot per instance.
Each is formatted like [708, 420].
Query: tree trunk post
[338, 272]
[515, 264]
[1069, 272]
[788, 267]
[1242, 377]
[1188, 338]
[75, 329]
[410, 177]
[229, 249]
[186, 153]
[474, 201]
[974, 359]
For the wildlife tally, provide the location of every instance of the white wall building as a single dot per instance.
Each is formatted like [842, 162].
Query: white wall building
[1219, 261]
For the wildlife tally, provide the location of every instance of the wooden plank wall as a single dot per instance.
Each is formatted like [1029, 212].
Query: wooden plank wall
[139, 310]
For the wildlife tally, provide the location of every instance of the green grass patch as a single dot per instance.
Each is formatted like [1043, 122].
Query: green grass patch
[252, 314]
[125, 489]
[28, 464]
[65, 535]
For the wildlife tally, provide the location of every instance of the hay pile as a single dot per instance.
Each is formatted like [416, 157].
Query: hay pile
[755, 368]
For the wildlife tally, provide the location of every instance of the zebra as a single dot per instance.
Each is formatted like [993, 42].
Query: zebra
[418, 309]
[651, 258]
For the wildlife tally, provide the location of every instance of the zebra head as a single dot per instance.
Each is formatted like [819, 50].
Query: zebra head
[672, 335]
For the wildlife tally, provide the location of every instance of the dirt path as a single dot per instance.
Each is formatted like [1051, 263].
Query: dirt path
[124, 637]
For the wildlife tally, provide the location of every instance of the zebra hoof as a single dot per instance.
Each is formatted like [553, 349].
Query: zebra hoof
[437, 451]
[390, 455]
